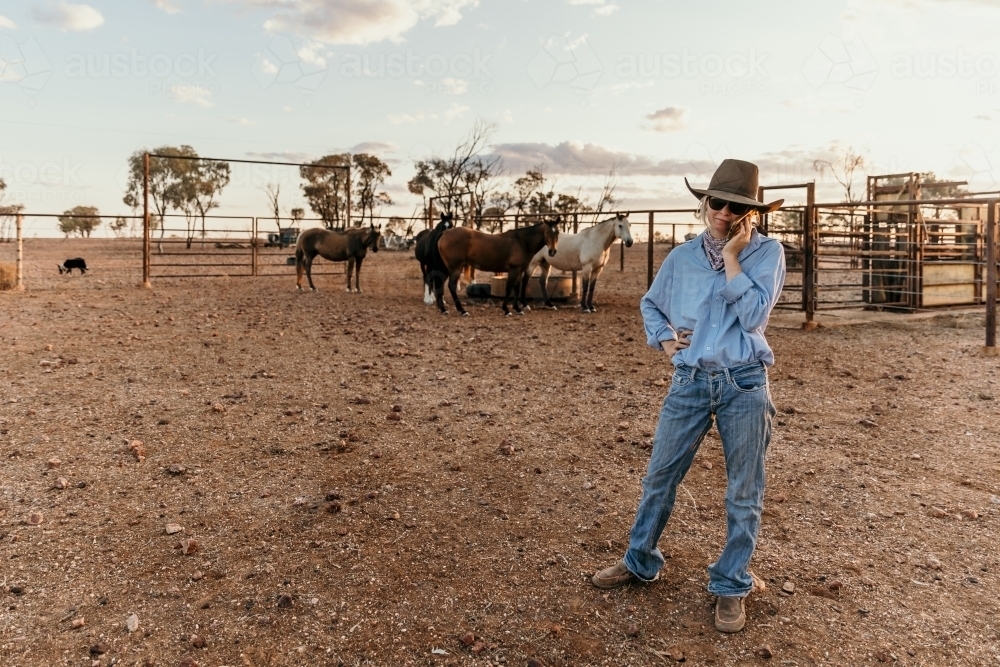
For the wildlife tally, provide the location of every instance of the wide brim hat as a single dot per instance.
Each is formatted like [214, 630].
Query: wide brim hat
[736, 181]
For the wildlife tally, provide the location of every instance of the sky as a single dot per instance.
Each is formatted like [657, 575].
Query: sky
[661, 89]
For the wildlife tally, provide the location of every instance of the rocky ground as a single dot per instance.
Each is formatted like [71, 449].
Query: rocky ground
[227, 472]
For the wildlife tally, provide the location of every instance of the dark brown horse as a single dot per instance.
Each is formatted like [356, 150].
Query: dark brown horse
[426, 240]
[350, 246]
[509, 253]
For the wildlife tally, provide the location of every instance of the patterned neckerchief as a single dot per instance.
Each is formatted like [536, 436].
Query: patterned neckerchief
[713, 248]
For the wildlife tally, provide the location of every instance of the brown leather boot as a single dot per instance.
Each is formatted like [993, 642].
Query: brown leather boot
[730, 615]
[614, 576]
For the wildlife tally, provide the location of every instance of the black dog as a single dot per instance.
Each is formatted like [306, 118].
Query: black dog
[70, 264]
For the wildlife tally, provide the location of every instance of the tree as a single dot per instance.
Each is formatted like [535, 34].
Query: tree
[607, 198]
[482, 178]
[273, 191]
[449, 177]
[80, 220]
[119, 227]
[326, 189]
[8, 215]
[201, 185]
[297, 215]
[845, 162]
[165, 176]
[368, 174]
[528, 189]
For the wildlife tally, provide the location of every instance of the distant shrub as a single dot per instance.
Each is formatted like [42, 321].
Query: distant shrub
[8, 276]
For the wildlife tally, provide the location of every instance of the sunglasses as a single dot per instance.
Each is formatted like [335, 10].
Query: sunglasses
[717, 204]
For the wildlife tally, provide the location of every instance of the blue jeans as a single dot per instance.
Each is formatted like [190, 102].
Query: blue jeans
[741, 402]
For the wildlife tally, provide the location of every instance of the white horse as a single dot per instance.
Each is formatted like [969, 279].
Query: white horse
[586, 252]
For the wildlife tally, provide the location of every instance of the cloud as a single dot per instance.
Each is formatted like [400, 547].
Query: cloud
[7, 23]
[456, 110]
[167, 5]
[246, 122]
[601, 7]
[65, 16]
[793, 164]
[282, 156]
[374, 147]
[668, 119]
[359, 22]
[189, 94]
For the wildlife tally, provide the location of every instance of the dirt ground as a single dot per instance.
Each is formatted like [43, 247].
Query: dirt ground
[358, 480]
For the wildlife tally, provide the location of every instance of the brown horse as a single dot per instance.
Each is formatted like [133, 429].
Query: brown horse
[349, 246]
[510, 252]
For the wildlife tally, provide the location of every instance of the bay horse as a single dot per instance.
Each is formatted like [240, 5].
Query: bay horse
[426, 240]
[509, 252]
[349, 246]
[587, 252]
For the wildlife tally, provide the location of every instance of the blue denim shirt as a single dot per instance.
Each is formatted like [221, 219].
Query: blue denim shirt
[728, 318]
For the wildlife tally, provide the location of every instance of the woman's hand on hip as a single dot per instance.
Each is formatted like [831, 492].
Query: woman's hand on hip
[672, 347]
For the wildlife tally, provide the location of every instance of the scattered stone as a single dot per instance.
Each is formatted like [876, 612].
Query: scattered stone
[172, 528]
[397, 408]
[54, 463]
[937, 513]
[877, 409]
[456, 466]
[707, 465]
[61, 483]
[98, 649]
[932, 563]
[985, 397]
[468, 639]
[188, 662]
[334, 507]
[132, 623]
[393, 417]
[188, 546]
[632, 630]
[138, 450]
[342, 531]
[333, 494]
[835, 585]
[915, 457]
[659, 383]
[506, 448]
[599, 366]
[867, 423]
[176, 469]
[623, 425]
[779, 497]
[764, 652]
[218, 407]
[376, 453]
[535, 662]
[788, 588]
[197, 575]
[78, 623]
[587, 486]
[36, 519]
[970, 514]
[197, 641]
[285, 601]
[478, 648]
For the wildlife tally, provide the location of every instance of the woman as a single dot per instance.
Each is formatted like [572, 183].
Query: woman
[707, 309]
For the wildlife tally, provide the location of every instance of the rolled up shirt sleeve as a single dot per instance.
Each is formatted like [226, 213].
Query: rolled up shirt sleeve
[753, 296]
[653, 306]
